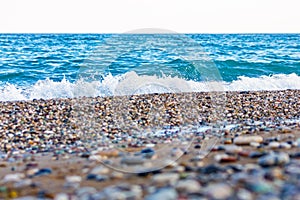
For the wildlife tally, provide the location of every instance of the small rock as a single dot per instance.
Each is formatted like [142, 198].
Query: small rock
[97, 177]
[100, 170]
[259, 186]
[225, 158]
[166, 178]
[211, 169]
[134, 160]
[43, 171]
[246, 140]
[13, 177]
[273, 159]
[3, 164]
[150, 145]
[257, 154]
[95, 158]
[23, 183]
[285, 145]
[85, 191]
[148, 152]
[61, 196]
[219, 191]
[73, 179]
[274, 145]
[243, 194]
[233, 149]
[255, 144]
[163, 193]
[31, 172]
[188, 186]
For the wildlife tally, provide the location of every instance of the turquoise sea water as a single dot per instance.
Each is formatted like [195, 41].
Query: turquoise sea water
[70, 65]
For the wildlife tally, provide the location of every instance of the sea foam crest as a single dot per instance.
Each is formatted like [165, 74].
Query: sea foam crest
[131, 83]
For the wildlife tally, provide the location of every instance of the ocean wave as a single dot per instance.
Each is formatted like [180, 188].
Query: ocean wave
[131, 83]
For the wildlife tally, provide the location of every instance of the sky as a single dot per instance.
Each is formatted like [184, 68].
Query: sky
[119, 16]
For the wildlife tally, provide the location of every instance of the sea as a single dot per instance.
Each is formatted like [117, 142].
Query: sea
[45, 66]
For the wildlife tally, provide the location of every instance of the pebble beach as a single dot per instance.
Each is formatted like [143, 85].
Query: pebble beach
[231, 145]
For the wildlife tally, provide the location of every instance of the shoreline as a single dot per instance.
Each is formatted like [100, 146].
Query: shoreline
[62, 131]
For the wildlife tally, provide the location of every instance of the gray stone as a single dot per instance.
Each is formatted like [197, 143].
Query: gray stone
[188, 186]
[219, 191]
[13, 177]
[164, 193]
[134, 160]
[273, 159]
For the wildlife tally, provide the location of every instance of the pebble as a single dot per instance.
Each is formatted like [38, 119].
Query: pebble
[100, 170]
[166, 178]
[188, 186]
[243, 194]
[246, 140]
[255, 144]
[133, 160]
[234, 149]
[13, 177]
[273, 159]
[97, 177]
[61, 196]
[73, 180]
[274, 145]
[163, 193]
[3, 164]
[147, 153]
[211, 169]
[225, 158]
[43, 171]
[285, 145]
[23, 183]
[219, 191]
[259, 186]
[85, 191]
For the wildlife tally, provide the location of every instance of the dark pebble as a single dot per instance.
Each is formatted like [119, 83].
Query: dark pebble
[147, 153]
[43, 171]
[211, 169]
[257, 154]
[97, 177]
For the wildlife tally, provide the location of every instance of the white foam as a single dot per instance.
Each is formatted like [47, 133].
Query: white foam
[275, 82]
[131, 83]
